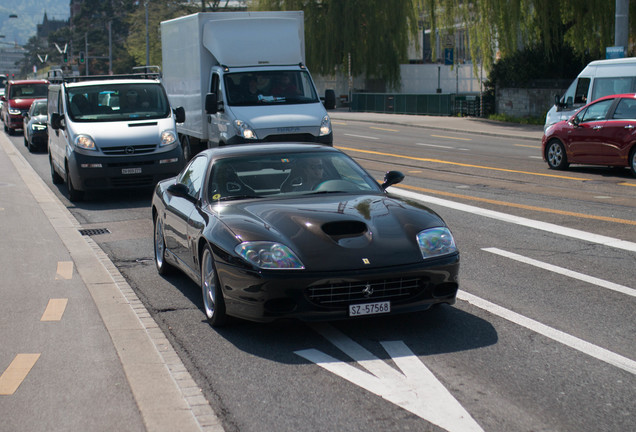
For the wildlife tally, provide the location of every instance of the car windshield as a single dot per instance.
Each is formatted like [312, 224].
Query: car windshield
[269, 87]
[28, 91]
[117, 102]
[291, 174]
[39, 108]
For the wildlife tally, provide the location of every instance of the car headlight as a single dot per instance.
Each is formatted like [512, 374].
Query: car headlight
[435, 242]
[38, 127]
[269, 255]
[85, 142]
[325, 126]
[14, 111]
[167, 137]
[244, 130]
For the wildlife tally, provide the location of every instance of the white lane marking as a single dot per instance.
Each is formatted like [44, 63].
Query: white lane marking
[560, 270]
[573, 342]
[415, 389]
[434, 145]
[361, 136]
[543, 226]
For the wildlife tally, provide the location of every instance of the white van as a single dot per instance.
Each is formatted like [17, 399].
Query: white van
[111, 132]
[599, 78]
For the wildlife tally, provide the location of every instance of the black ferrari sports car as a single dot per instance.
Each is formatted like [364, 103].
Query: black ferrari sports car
[299, 231]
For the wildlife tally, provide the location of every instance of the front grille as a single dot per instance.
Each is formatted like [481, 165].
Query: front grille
[290, 138]
[344, 293]
[129, 150]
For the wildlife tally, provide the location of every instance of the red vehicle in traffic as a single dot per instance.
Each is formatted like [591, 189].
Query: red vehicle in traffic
[603, 132]
[17, 99]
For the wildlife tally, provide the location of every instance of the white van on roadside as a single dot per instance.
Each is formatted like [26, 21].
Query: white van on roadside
[111, 132]
[599, 78]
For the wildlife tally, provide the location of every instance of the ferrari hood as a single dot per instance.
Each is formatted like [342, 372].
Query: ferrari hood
[342, 232]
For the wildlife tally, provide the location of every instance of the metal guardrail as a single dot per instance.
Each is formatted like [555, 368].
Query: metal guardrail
[422, 104]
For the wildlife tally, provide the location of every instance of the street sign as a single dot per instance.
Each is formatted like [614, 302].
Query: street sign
[614, 52]
[448, 56]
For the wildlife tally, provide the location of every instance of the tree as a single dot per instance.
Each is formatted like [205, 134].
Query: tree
[375, 33]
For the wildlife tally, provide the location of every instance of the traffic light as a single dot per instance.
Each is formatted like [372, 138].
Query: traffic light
[82, 59]
[65, 57]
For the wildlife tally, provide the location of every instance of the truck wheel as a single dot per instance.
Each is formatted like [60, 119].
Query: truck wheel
[330, 99]
[73, 194]
[187, 149]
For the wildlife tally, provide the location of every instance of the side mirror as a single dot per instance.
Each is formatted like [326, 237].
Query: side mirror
[178, 189]
[56, 121]
[211, 103]
[179, 114]
[574, 120]
[3, 99]
[391, 178]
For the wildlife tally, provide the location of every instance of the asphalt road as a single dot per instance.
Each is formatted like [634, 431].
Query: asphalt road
[541, 338]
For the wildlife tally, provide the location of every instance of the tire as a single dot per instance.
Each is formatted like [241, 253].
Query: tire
[186, 148]
[73, 194]
[163, 267]
[632, 161]
[26, 142]
[213, 302]
[55, 177]
[556, 156]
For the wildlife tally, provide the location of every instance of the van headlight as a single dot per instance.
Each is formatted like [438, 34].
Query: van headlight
[435, 242]
[85, 142]
[167, 137]
[14, 111]
[244, 130]
[325, 126]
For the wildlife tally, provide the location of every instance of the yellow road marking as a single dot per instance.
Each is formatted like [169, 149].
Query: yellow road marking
[64, 270]
[455, 138]
[384, 129]
[54, 310]
[520, 206]
[529, 146]
[627, 184]
[338, 123]
[461, 164]
[17, 371]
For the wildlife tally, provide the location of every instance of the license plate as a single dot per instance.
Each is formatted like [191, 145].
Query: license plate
[131, 170]
[370, 308]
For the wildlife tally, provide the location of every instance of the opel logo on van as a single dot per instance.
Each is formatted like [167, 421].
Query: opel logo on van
[130, 150]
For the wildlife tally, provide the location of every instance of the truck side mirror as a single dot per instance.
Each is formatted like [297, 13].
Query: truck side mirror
[211, 103]
[56, 121]
[179, 114]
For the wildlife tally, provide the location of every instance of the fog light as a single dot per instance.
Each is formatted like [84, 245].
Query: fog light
[167, 161]
[93, 165]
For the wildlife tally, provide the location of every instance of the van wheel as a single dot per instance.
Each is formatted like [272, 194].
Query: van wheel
[555, 154]
[73, 194]
[55, 177]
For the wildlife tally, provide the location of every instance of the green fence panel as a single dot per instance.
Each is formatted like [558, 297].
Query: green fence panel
[422, 104]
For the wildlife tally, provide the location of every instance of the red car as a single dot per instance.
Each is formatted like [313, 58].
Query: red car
[603, 132]
[17, 99]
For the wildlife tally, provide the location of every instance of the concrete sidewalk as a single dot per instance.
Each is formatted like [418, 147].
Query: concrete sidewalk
[78, 350]
[451, 124]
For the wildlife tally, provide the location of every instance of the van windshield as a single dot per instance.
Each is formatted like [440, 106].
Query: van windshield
[269, 88]
[28, 91]
[117, 102]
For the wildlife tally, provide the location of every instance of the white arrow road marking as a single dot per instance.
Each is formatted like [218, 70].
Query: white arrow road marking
[415, 389]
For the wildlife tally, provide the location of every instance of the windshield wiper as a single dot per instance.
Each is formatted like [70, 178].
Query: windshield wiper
[237, 197]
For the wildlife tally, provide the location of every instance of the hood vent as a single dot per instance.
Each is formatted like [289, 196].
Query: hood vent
[344, 229]
[142, 124]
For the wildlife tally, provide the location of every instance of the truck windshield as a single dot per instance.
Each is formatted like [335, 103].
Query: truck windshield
[117, 102]
[269, 87]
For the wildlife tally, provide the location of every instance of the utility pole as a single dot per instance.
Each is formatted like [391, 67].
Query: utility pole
[621, 24]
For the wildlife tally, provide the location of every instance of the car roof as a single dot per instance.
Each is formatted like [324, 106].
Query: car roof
[268, 149]
[110, 82]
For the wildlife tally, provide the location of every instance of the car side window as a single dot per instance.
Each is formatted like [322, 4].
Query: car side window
[192, 177]
[626, 109]
[597, 111]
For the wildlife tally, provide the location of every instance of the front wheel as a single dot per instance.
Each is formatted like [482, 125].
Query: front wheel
[555, 154]
[160, 248]
[55, 177]
[213, 301]
[73, 194]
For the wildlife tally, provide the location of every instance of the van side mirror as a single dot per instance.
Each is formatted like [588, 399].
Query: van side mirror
[211, 103]
[56, 121]
[391, 178]
[179, 114]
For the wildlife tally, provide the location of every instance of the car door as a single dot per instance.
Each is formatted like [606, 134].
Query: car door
[586, 140]
[620, 131]
[181, 209]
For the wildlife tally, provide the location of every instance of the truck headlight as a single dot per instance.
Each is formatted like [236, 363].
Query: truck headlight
[167, 137]
[85, 142]
[435, 242]
[325, 126]
[268, 255]
[244, 130]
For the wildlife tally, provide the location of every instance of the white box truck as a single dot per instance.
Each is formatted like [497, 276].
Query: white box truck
[599, 78]
[241, 77]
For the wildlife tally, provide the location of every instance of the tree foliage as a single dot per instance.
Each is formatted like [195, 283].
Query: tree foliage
[374, 33]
